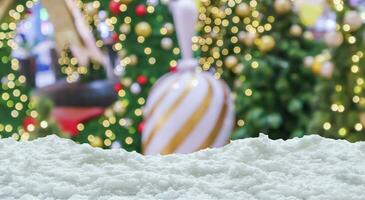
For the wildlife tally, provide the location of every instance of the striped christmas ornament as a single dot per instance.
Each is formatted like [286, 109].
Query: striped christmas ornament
[187, 111]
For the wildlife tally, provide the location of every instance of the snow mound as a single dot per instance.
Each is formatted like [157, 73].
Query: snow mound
[310, 168]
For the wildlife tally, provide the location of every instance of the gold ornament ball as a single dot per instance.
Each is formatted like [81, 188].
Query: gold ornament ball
[97, 142]
[353, 19]
[230, 62]
[247, 38]
[90, 9]
[327, 69]
[134, 59]
[282, 6]
[169, 28]
[127, 82]
[266, 43]
[125, 28]
[296, 30]
[308, 35]
[243, 10]
[143, 29]
[333, 39]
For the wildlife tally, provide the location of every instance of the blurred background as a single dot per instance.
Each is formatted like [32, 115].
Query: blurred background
[82, 69]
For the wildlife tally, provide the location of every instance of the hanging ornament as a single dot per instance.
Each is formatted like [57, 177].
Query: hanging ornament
[29, 123]
[143, 29]
[310, 11]
[308, 61]
[118, 86]
[282, 6]
[125, 28]
[243, 10]
[322, 65]
[186, 111]
[126, 82]
[247, 38]
[266, 43]
[96, 141]
[142, 80]
[167, 43]
[119, 107]
[141, 10]
[140, 127]
[230, 62]
[114, 7]
[169, 28]
[134, 59]
[308, 35]
[90, 9]
[136, 88]
[296, 30]
[333, 39]
[327, 69]
[353, 19]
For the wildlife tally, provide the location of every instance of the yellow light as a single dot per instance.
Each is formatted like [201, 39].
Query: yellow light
[327, 126]
[44, 124]
[358, 127]
[128, 140]
[80, 127]
[240, 122]
[342, 132]
[248, 92]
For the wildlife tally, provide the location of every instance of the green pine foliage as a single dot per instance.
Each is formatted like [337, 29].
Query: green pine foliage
[273, 89]
[339, 102]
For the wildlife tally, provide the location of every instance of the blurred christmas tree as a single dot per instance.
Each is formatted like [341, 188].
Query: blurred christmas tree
[145, 39]
[14, 101]
[339, 102]
[139, 39]
[259, 48]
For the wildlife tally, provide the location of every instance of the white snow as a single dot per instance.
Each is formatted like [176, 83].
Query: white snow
[310, 168]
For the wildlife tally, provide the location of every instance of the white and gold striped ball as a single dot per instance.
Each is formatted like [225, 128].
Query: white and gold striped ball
[187, 112]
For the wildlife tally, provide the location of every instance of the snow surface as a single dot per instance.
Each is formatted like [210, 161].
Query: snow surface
[311, 168]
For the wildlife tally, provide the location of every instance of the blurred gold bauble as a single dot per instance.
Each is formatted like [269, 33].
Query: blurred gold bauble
[126, 82]
[243, 10]
[125, 1]
[318, 62]
[143, 29]
[97, 142]
[296, 30]
[282, 6]
[353, 19]
[230, 62]
[266, 43]
[239, 68]
[308, 35]
[333, 39]
[169, 28]
[125, 28]
[90, 9]
[134, 59]
[247, 38]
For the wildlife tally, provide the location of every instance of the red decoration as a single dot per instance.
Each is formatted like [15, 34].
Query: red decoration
[173, 69]
[69, 117]
[114, 7]
[29, 121]
[118, 86]
[141, 10]
[142, 80]
[115, 37]
[140, 127]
